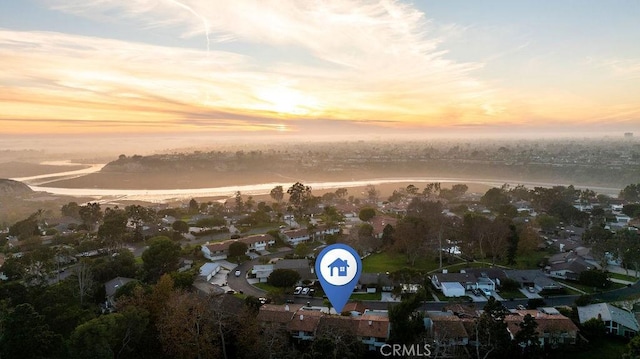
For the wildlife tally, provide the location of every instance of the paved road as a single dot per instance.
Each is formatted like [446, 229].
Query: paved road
[240, 284]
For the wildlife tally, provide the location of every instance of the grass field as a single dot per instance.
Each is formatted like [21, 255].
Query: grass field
[586, 288]
[623, 277]
[516, 294]
[267, 287]
[366, 296]
[390, 262]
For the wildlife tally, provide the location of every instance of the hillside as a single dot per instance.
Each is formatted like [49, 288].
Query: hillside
[11, 188]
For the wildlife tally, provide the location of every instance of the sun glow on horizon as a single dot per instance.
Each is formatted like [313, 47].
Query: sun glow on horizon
[285, 101]
[277, 66]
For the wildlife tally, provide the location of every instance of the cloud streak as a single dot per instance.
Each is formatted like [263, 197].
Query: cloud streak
[381, 62]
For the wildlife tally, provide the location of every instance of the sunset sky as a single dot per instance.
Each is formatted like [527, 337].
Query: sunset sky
[207, 66]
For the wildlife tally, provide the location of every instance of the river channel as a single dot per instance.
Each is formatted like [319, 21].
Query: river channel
[39, 183]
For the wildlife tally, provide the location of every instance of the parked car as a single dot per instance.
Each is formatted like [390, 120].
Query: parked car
[531, 290]
[486, 292]
[238, 272]
[297, 290]
[475, 292]
[521, 307]
[305, 291]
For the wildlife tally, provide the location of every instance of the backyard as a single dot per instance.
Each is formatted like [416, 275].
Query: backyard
[391, 262]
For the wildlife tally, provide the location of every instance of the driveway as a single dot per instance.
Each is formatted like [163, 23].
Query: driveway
[529, 294]
[240, 284]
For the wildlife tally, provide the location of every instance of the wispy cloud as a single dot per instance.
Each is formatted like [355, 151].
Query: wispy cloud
[626, 68]
[382, 62]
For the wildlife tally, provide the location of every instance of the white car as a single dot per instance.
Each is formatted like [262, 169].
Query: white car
[238, 273]
[297, 290]
[486, 292]
[305, 291]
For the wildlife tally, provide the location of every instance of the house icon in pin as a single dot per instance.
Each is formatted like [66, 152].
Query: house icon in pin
[340, 265]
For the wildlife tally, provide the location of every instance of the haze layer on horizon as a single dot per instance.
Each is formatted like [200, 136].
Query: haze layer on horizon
[327, 69]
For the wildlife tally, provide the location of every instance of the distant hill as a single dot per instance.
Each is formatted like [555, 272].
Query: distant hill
[15, 169]
[608, 164]
[13, 188]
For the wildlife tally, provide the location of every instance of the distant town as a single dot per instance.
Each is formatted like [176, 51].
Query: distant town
[514, 271]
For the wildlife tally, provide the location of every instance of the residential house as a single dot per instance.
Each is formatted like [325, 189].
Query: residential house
[495, 274]
[304, 324]
[296, 236]
[373, 330]
[349, 211]
[259, 242]
[299, 265]
[216, 251]
[373, 280]
[452, 289]
[454, 284]
[262, 271]
[337, 324]
[279, 315]
[379, 222]
[321, 231]
[208, 270]
[396, 208]
[617, 321]
[553, 329]
[533, 278]
[354, 308]
[570, 268]
[467, 280]
[448, 333]
[623, 219]
[219, 250]
[112, 286]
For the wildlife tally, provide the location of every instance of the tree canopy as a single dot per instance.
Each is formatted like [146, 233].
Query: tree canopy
[161, 257]
[283, 278]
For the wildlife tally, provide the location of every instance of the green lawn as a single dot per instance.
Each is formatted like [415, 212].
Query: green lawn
[454, 268]
[390, 262]
[589, 289]
[267, 287]
[516, 294]
[383, 262]
[366, 296]
[530, 260]
[623, 277]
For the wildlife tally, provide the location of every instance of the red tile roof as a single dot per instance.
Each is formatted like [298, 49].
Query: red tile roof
[305, 321]
[373, 326]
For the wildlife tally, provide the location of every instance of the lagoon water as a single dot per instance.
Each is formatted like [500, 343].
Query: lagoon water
[38, 183]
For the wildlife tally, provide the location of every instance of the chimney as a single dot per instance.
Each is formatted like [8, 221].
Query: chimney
[286, 308]
[301, 317]
[370, 322]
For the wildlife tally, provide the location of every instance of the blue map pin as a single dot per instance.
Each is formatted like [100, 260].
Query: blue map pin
[338, 268]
